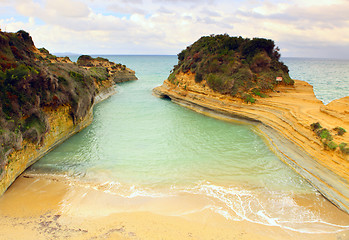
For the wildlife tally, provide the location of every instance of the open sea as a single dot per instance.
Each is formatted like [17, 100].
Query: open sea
[140, 146]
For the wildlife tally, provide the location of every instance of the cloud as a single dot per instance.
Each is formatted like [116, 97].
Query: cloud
[67, 8]
[126, 9]
[168, 26]
[184, 1]
[210, 13]
[164, 10]
[53, 8]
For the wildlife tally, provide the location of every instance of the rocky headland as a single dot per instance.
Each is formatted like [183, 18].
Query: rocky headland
[104, 69]
[246, 82]
[45, 99]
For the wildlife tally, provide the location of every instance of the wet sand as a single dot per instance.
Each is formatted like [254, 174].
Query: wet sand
[51, 208]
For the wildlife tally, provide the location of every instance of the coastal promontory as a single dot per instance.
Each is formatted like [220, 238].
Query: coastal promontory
[238, 79]
[45, 99]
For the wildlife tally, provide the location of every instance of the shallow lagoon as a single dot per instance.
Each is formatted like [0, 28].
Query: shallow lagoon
[140, 146]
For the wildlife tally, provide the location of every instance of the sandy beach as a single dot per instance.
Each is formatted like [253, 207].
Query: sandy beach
[45, 207]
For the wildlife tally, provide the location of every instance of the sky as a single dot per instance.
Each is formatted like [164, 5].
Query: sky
[301, 28]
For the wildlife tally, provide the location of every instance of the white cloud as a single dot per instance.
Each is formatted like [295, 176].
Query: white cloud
[67, 8]
[168, 26]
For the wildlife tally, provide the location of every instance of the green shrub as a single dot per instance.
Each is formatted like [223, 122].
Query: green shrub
[343, 147]
[102, 59]
[260, 62]
[47, 53]
[77, 76]
[256, 45]
[100, 73]
[14, 75]
[172, 77]
[331, 145]
[324, 134]
[28, 85]
[84, 60]
[225, 62]
[220, 83]
[315, 126]
[340, 131]
[248, 98]
[257, 92]
[198, 77]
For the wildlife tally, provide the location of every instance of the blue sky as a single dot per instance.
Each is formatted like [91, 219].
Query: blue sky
[301, 28]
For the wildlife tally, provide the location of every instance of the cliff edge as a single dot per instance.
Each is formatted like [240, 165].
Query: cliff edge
[44, 100]
[103, 69]
[306, 134]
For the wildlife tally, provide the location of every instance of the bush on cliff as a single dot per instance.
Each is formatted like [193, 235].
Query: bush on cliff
[28, 84]
[344, 149]
[33, 81]
[315, 126]
[233, 65]
[340, 131]
[323, 133]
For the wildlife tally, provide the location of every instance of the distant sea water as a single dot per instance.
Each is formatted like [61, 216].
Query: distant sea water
[142, 146]
[329, 77]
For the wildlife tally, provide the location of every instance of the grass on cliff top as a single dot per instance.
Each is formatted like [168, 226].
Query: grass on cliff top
[28, 84]
[234, 65]
[88, 61]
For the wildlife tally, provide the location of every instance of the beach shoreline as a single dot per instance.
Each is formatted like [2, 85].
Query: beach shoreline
[72, 211]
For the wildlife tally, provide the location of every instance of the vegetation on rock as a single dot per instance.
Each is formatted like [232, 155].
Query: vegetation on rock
[102, 68]
[344, 149]
[32, 80]
[327, 139]
[315, 126]
[234, 65]
[340, 131]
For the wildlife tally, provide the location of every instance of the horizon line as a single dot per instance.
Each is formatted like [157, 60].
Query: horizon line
[112, 54]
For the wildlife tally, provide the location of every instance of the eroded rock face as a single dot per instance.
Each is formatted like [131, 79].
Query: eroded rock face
[124, 76]
[37, 91]
[231, 77]
[284, 117]
[338, 108]
[105, 69]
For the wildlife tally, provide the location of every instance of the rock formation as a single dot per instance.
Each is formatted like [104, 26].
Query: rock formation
[44, 99]
[103, 69]
[306, 134]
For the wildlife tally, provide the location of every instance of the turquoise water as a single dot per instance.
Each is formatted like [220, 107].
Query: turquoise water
[330, 77]
[142, 146]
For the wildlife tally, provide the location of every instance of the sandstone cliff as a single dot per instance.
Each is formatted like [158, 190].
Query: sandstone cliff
[103, 68]
[285, 117]
[44, 99]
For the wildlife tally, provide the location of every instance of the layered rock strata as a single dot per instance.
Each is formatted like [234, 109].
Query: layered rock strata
[61, 128]
[285, 119]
